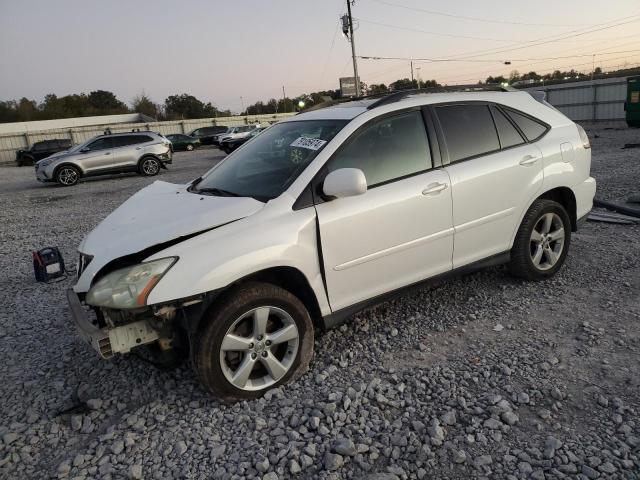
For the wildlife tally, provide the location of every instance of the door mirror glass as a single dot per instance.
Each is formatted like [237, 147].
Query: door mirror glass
[85, 149]
[345, 182]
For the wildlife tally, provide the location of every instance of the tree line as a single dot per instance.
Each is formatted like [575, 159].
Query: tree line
[185, 106]
[102, 102]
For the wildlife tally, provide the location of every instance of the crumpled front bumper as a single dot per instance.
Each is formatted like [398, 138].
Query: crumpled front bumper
[109, 341]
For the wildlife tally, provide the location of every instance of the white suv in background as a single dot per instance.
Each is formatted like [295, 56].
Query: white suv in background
[324, 214]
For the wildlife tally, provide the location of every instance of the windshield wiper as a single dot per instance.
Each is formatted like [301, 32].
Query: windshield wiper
[217, 191]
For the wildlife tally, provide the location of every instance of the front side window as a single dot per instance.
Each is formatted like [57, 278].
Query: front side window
[468, 130]
[530, 127]
[100, 144]
[386, 149]
[267, 165]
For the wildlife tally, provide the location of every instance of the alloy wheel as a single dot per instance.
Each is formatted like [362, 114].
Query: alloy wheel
[150, 166]
[547, 241]
[67, 176]
[259, 348]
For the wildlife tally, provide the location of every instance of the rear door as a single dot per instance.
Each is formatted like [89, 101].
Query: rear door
[130, 149]
[494, 172]
[399, 231]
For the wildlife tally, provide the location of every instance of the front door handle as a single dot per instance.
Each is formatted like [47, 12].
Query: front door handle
[434, 188]
[138, 148]
[108, 153]
[528, 160]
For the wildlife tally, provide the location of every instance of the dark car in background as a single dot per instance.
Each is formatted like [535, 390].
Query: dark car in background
[180, 141]
[40, 150]
[230, 144]
[206, 134]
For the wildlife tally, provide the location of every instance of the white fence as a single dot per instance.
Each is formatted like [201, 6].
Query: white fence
[11, 142]
[597, 100]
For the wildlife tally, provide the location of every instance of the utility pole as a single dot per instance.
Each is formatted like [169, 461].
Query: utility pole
[284, 100]
[353, 48]
[412, 73]
[418, 75]
[593, 67]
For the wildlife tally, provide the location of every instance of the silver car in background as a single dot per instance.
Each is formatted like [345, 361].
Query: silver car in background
[142, 152]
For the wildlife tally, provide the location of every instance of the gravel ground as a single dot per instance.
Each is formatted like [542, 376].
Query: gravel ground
[483, 377]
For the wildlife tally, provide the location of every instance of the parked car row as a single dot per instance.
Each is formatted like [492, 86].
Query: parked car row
[144, 152]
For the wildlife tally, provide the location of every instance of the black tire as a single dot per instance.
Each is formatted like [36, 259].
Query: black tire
[67, 175]
[522, 262]
[216, 323]
[149, 166]
[189, 147]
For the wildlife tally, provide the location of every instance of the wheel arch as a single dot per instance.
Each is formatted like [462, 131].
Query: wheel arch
[564, 196]
[67, 164]
[292, 280]
[286, 277]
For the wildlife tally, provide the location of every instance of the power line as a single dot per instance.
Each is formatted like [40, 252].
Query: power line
[546, 40]
[464, 17]
[495, 60]
[439, 34]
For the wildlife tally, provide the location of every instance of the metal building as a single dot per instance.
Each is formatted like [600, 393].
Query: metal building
[596, 100]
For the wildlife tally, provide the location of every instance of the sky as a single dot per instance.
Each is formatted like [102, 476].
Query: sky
[222, 51]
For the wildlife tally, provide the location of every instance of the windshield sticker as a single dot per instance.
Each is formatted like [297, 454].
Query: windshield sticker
[308, 143]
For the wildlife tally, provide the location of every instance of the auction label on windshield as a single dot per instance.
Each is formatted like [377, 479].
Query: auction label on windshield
[309, 143]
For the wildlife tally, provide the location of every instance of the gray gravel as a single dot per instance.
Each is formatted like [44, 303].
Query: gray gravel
[483, 377]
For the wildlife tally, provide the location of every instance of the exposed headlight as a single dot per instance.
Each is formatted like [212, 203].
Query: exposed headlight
[129, 287]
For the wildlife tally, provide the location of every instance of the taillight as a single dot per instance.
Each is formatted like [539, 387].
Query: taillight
[584, 137]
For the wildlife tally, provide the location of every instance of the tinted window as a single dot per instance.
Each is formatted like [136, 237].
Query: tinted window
[64, 143]
[508, 134]
[39, 146]
[468, 130]
[531, 128]
[387, 149]
[100, 144]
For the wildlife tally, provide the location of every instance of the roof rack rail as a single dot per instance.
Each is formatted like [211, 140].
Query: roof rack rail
[401, 94]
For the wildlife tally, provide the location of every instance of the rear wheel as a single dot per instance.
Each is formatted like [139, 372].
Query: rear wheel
[67, 176]
[258, 337]
[149, 166]
[189, 147]
[542, 241]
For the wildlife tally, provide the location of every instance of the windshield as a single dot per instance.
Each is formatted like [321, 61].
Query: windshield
[265, 167]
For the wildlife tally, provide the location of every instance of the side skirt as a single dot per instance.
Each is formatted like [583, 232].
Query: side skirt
[336, 318]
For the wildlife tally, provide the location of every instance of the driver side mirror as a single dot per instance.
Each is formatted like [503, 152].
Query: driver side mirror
[345, 182]
[85, 150]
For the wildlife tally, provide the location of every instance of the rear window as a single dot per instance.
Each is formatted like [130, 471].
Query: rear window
[468, 130]
[507, 133]
[531, 128]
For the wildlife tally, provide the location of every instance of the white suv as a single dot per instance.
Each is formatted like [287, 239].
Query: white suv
[325, 214]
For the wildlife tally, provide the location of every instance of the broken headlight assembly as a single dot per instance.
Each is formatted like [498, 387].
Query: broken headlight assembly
[128, 287]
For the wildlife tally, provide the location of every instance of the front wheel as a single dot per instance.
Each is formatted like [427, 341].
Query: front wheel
[542, 241]
[149, 166]
[67, 176]
[189, 147]
[258, 337]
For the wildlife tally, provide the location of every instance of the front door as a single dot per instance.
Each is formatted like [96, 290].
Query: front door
[400, 230]
[98, 157]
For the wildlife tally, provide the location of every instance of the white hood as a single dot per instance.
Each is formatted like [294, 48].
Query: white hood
[156, 214]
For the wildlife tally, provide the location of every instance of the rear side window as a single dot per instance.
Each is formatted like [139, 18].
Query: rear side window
[468, 130]
[531, 128]
[507, 133]
[387, 149]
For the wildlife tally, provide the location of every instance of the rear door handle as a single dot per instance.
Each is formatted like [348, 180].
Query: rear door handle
[528, 160]
[108, 153]
[434, 188]
[138, 148]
